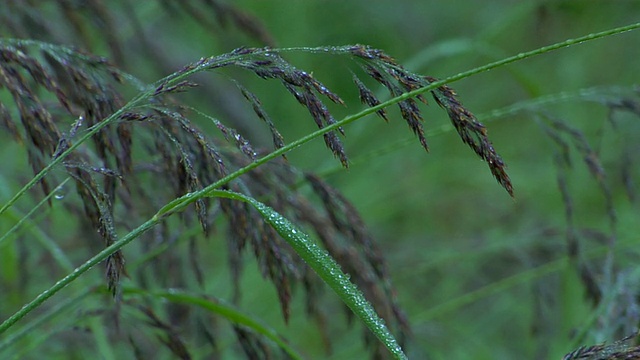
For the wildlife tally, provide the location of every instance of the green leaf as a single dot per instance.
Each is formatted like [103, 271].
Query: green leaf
[326, 267]
[220, 308]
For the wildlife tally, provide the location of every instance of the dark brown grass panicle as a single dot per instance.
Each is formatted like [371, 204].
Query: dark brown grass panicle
[270, 65]
[367, 97]
[93, 25]
[60, 93]
[278, 140]
[98, 16]
[381, 72]
[253, 346]
[383, 69]
[592, 161]
[221, 15]
[170, 336]
[243, 20]
[72, 88]
[472, 133]
[623, 349]
[571, 141]
[557, 131]
[573, 235]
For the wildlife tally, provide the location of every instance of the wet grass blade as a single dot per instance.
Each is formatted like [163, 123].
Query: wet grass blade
[326, 267]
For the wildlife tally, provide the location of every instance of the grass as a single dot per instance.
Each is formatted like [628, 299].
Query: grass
[168, 186]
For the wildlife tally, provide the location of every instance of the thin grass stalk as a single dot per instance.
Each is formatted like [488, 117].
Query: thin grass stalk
[180, 203]
[593, 94]
[178, 76]
[22, 220]
[44, 317]
[514, 280]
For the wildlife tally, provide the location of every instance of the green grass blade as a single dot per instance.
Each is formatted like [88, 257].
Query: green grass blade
[182, 202]
[225, 310]
[326, 267]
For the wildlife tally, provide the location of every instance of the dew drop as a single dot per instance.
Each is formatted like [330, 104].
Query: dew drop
[59, 194]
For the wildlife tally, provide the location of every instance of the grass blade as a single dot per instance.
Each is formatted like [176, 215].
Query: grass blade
[225, 310]
[326, 267]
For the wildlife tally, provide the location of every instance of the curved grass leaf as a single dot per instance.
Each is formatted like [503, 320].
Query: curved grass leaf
[326, 267]
[180, 203]
[220, 308]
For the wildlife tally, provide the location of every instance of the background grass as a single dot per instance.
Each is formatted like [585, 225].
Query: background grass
[480, 275]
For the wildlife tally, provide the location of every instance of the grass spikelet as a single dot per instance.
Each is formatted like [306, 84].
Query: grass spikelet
[367, 97]
[270, 65]
[141, 153]
[182, 158]
[278, 140]
[620, 350]
[252, 345]
[472, 133]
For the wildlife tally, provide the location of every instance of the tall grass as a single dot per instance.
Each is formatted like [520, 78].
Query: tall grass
[150, 170]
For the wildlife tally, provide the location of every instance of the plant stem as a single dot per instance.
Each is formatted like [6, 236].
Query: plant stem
[102, 255]
[182, 202]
